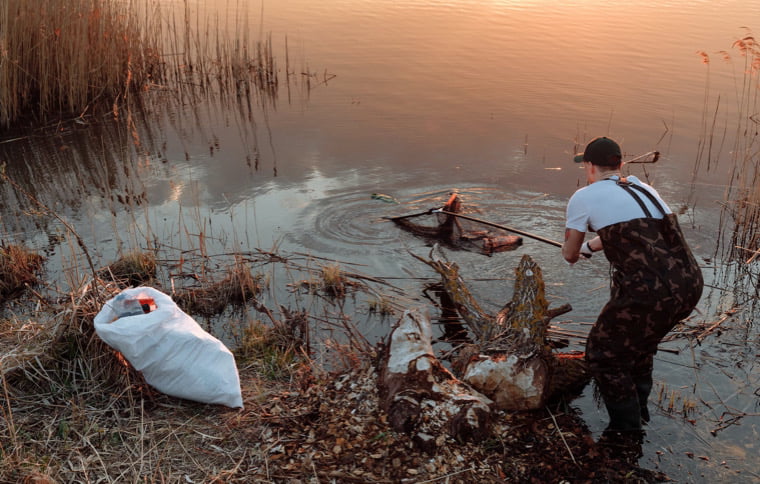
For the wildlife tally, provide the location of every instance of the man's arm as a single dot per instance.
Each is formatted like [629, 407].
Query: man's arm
[574, 242]
[571, 248]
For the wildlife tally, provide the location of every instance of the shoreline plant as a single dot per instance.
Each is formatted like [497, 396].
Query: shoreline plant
[739, 231]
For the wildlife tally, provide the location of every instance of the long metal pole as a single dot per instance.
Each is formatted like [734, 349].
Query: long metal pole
[503, 227]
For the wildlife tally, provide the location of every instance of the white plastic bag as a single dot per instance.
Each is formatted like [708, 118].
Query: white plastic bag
[174, 353]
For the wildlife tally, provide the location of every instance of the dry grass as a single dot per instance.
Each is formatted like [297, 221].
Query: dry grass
[333, 281]
[62, 56]
[133, 269]
[744, 192]
[19, 268]
[381, 305]
[276, 351]
[739, 231]
[72, 407]
[75, 57]
[238, 287]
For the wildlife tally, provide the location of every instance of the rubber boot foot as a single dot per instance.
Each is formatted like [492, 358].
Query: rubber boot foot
[624, 416]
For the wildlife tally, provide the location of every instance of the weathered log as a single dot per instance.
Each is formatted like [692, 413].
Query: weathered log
[513, 367]
[420, 396]
[526, 313]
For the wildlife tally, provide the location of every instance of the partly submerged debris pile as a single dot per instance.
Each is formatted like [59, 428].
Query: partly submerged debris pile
[509, 366]
[447, 228]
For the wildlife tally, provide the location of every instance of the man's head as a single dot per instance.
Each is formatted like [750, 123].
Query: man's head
[602, 152]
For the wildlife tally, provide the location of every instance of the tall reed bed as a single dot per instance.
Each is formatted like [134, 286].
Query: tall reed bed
[216, 57]
[739, 241]
[64, 56]
[744, 187]
[72, 56]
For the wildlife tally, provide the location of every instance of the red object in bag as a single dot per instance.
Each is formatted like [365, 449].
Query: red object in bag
[147, 304]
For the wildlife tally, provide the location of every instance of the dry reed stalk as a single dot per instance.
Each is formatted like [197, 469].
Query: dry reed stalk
[7, 413]
[211, 59]
[744, 190]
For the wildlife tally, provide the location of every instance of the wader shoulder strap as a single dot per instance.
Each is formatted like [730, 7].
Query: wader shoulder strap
[630, 187]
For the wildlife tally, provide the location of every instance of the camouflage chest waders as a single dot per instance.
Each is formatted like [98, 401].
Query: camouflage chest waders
[656, 282]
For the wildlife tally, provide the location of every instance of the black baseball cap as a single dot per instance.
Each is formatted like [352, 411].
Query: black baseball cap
[601, 151]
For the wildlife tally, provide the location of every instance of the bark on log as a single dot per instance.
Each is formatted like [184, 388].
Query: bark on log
[420, 396]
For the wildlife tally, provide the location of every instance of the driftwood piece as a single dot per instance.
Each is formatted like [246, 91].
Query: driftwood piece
[420, 396]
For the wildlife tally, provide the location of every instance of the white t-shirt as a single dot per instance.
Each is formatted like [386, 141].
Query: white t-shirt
[604, 203]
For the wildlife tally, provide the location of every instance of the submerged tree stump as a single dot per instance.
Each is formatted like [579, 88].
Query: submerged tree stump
[509, 366]
[511, 361]
[420, 396]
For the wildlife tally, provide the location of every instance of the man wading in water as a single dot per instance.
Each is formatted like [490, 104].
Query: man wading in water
[656, 281]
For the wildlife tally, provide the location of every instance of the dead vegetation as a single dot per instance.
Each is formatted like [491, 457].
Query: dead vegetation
[52, 64]
[132, 269]
[236, 288]
[73, 410]
[19, 269]
[53, 52]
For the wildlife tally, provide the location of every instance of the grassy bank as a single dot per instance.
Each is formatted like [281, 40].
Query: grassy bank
[71, 410]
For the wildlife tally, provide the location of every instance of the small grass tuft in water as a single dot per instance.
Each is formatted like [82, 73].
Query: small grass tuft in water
[381, 305]
[18, 269]
[333, 281]
[133, 269]
[236, 288]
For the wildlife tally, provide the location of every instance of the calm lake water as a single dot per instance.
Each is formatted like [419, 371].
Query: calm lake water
[418, 98]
